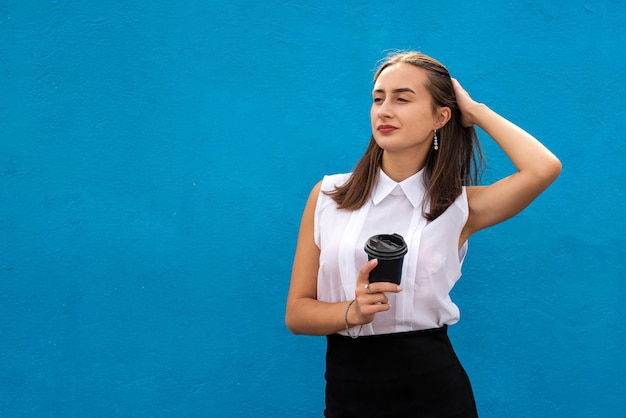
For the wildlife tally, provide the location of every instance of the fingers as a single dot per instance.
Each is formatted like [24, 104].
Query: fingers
[380, 287]
[363, 284]
[377, 299]
[457, 87]
[465, 102]
[370, 297]
[368, 305]
[364, 272]
[363, 279]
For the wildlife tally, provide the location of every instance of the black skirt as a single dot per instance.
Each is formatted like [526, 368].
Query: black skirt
[409, 374]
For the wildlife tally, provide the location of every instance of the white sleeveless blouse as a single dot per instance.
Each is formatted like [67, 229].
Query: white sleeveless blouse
[431, 267]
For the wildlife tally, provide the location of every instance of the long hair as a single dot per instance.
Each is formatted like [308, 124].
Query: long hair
[457, 163]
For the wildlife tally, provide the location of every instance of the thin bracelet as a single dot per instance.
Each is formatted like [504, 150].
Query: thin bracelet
[345, 318]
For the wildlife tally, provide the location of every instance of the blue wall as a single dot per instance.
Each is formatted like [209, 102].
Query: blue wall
[155, 159]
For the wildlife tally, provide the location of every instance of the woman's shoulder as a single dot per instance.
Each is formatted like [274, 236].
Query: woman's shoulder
[330, 182]
[323, 190]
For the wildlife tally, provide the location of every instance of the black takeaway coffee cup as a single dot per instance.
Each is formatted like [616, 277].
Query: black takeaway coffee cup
[390, 251]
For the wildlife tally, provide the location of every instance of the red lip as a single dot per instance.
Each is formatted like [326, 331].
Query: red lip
[385, 129]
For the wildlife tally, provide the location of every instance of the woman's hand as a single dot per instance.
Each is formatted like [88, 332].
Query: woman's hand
[466, 104]
[370, 298]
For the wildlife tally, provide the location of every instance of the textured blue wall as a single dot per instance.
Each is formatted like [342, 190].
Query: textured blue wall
[155, 159]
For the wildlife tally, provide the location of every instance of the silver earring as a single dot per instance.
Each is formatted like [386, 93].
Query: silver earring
[435, 142]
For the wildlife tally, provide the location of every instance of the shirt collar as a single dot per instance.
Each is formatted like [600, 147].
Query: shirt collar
[412, 187]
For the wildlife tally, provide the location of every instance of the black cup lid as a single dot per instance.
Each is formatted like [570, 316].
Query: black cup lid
[386, 245]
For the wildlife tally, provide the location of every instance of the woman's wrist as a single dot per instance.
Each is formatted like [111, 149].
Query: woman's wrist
[351, 316]
[347, 322]
[475, 113]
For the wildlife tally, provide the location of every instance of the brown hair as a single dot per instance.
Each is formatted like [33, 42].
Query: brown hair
[458, 161]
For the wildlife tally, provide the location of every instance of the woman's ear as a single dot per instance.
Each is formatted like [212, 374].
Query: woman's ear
[443, 116]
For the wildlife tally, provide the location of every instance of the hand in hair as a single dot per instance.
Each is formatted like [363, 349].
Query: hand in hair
[465, 102]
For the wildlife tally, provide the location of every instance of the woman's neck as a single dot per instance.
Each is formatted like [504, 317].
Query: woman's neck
[401, 167]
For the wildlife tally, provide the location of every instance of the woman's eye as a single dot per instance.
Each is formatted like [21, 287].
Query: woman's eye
[402, 99]
[378, 99]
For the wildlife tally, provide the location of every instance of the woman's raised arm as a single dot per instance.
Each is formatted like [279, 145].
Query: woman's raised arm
[537, 167]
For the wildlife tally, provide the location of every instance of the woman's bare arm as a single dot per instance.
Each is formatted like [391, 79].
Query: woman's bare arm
[537, 168]
[307, 315]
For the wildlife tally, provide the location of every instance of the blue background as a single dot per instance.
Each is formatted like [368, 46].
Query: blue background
[155, 158]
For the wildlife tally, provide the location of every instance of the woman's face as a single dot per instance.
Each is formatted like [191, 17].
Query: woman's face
[402, 114]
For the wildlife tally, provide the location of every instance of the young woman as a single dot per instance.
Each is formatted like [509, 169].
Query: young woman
[388, 353]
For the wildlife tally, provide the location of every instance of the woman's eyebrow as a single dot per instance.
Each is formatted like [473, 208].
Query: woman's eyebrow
[398, 90]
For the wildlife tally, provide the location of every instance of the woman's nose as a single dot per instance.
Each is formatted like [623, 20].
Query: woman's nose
[384, 110]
